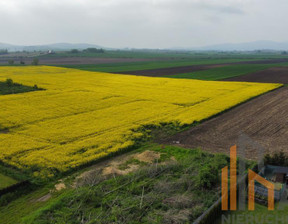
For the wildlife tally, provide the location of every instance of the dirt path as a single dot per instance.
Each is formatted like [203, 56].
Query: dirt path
[271, 75]
[264, 119]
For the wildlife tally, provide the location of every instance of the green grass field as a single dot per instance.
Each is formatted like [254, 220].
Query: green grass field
[210, 74]
[24, 205]
[134, 66]
[6, 181]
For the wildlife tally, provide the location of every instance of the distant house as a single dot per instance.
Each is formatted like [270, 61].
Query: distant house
[277, 175]
[281, 174]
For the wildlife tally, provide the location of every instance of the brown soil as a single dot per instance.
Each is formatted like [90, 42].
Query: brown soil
[271, 75]
[60, 186]
[263, 119]
[105, 168]
[147, 156]
[267, 61]
[116, 171]
[112, 166]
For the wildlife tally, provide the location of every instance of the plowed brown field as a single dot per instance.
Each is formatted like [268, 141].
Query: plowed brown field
[271, 75]
[263, 119]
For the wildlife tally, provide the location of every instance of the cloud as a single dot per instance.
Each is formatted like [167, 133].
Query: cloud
[142, 23]
[217, 6]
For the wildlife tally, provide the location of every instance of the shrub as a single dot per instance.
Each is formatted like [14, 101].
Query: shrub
[74, 51]
[35, 61]
[3, 51]
[11, 62]
[9, 82]
[277, 159]
[94, 50]
[207, 177]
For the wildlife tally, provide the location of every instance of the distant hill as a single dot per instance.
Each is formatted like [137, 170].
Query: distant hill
[249, 46]
[55, 47]
[7, 46]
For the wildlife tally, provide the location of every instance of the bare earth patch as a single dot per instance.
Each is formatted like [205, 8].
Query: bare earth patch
[263, 119]
[271, 75]
[113, 170]
[147, 156]
[112, 167]
[60, 186]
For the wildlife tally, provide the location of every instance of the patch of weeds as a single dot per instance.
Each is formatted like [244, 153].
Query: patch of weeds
[131, 161]
[10, 87]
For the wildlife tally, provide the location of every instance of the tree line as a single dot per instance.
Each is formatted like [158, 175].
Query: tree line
[88, 50]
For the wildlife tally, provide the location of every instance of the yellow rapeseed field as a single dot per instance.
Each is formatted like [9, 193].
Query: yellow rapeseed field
[83, 116]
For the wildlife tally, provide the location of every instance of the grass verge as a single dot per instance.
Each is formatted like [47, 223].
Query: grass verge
[6, 181]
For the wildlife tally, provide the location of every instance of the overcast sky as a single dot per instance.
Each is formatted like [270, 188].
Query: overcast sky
[142, 23]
